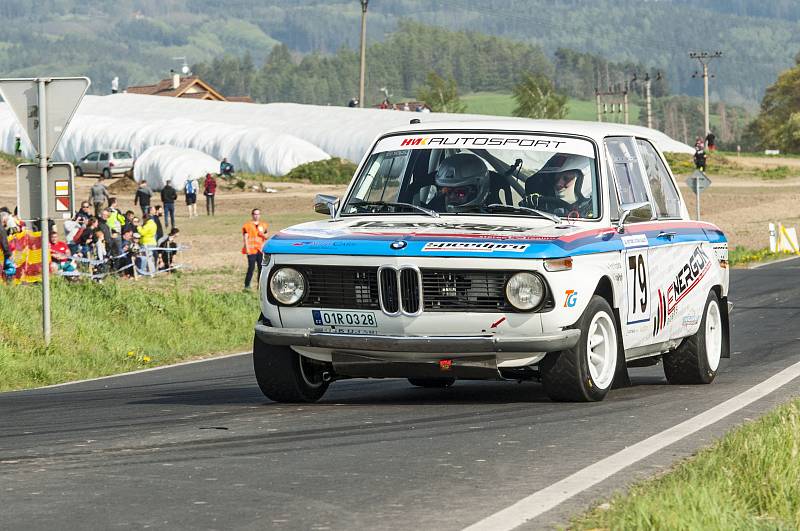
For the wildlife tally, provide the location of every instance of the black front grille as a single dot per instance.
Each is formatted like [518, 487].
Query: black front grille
[389, 292]
[341, 287]
[448, 290]
[409, 290]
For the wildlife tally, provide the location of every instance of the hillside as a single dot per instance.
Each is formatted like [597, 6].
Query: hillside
[139, 39]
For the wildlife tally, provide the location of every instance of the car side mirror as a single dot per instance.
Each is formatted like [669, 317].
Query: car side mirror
[634, 213]
[326, 204]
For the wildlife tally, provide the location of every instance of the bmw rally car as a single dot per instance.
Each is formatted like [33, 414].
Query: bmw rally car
[560, 252]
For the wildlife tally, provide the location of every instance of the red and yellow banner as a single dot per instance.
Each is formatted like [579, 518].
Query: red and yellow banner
[26, 251]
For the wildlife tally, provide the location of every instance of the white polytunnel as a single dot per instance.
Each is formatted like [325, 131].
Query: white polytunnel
[159, 164]
[265, 138]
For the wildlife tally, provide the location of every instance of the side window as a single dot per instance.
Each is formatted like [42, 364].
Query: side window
[668, 203]
[103, 156]
[613, 204]
[92, 157]
[630, 181]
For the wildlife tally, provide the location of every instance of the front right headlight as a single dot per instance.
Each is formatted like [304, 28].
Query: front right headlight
[525, 291]
[287, 286]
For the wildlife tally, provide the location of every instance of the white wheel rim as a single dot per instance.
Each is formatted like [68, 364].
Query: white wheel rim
[713, 335]
[601, 350]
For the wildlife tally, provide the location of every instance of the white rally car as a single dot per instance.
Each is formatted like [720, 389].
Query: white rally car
[560, 252]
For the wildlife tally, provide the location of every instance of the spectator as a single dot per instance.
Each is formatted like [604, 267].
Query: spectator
[129, 223]
[210, 190]
[711, 140]
[168, 197]
[116, 219]
[17, 146]
[98, 195]
[83, 212]
[254, 234]
[168, 247]
[353, 102]
[125, 256]
[142, 197]
[699, 155]
[406, 106]
[114, 246]
[147, 233]
[99, 253]
[156, 217]
[225, 168]
[9, 268]
[60, 259]
[135, 253]
[103, 225]
[190, 189]
[85, 238]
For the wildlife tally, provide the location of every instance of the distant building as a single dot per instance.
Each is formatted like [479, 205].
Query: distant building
[191, 87]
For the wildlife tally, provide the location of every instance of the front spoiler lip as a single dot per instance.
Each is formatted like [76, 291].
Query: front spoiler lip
[306, 337]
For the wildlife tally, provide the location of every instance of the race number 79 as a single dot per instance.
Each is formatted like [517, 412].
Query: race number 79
[638, 287]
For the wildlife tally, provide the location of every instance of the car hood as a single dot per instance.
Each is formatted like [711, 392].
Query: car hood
[448, 236]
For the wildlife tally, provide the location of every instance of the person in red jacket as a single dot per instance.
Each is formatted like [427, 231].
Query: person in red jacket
[210, 190]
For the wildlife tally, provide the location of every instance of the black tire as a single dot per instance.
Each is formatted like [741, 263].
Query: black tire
[106, 173]
[78, 171]
[432, 383]
[689, 363]
[283, 375]
[566, 375]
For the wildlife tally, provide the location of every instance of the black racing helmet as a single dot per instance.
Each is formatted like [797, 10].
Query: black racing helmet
[463, 179]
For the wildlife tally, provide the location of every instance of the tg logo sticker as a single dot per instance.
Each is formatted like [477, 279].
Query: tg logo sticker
[572, 298]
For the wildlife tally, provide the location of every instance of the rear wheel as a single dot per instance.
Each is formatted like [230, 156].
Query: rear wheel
[283, 375]
[585, 372]
[696, 360]
[106, 173]
[435, 383]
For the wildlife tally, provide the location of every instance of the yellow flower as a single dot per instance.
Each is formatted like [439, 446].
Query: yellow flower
[131, 354]
[145, 359]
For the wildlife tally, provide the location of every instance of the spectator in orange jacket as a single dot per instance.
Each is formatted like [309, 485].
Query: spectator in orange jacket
[254, 234]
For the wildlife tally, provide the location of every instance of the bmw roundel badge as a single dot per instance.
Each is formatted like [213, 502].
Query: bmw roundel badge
[398, 244]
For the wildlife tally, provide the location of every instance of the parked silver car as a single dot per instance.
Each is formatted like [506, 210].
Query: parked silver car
[106, 162]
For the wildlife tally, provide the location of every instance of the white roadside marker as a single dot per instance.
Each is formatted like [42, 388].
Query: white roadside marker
[543, 500]
[151, 369]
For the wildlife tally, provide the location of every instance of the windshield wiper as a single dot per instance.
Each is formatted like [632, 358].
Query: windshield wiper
[521, 209]
[361, 202]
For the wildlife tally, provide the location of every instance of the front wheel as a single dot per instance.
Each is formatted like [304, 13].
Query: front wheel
[78, 171]
[585, 372]
[283, 375]
[696, 360]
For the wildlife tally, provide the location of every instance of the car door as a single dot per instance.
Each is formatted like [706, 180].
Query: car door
[90, 162]
[102, 162]
[638, 241]
[682, 254]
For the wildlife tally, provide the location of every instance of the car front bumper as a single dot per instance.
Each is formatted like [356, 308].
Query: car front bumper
[306, 337]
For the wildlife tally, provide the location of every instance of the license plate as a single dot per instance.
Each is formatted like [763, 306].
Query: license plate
[344, 319]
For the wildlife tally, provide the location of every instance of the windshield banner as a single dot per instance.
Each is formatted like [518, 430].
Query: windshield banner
[492, 141]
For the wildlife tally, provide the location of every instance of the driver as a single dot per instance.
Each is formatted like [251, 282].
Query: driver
[463, 181]
[557, 186]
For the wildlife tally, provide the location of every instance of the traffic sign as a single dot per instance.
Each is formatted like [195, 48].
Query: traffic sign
[60, 191]
[62, 97]
[698, 181]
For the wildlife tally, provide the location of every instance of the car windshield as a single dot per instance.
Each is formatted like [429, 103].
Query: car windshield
[479, 173]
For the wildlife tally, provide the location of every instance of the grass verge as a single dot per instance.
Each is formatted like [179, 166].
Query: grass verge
[740, 256]
[750, 479]
[115, 327]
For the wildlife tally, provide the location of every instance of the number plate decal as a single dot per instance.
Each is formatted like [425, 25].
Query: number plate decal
[345, 319]
[638, 284]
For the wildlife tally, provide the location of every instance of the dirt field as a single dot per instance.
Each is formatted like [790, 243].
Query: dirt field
[741, 206]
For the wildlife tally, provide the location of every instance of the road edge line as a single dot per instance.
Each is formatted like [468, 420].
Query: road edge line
[140, 371]
[549, 497]
[763, 264]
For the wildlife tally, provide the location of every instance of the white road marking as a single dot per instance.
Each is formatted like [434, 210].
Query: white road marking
[151, 369]
[543, 500]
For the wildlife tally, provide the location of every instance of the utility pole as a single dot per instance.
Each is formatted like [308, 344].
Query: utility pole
[363, 51]
[615, 101]
[705, 58]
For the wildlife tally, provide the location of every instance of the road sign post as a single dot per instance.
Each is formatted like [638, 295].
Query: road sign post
[698, 182]
[44, 108]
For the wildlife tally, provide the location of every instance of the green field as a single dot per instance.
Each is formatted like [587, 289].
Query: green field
[502, 104]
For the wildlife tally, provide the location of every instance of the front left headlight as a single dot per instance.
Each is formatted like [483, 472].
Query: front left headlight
[287, 286]
[525, 291]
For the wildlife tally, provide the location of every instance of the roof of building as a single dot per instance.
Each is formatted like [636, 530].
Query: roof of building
[188, 87]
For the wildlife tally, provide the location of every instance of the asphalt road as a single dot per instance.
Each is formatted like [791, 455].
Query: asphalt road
[198, 447]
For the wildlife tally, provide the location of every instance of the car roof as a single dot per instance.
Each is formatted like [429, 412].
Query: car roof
[594, 130]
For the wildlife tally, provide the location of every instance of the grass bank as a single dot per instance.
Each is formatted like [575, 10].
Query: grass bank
[750, 479]
[117, 326]
[502, 104]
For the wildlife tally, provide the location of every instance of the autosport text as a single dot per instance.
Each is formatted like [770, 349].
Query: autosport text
[481, 141]
[480, 247]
